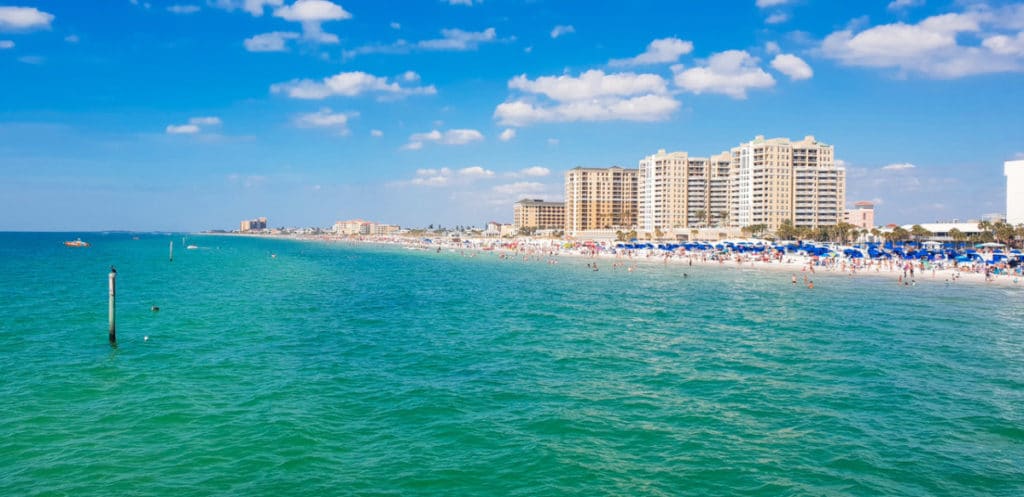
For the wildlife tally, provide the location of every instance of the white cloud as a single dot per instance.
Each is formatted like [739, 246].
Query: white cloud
[274, 41]
[254, 7]
[562, 30]
[792, 66]
[904, 4]
[459, 40]
[376, 133]
[183, 9]
[6, 44]
[446, 176]
[347, 84]
[661, 51]
[476, 172]
[764, 4]
[450, 137]
[771, 48]
[205, 121]
[553, 142]
[395, 25]
[195, 125]
[71, 38]
[312, 11]
[531, 172]
[325, 118]
[777, 18]
[1005, 45]
[520, 188]
[24, 19]
[731, 73]
[311, 14]
[32, 59]
[467, 3]
[182, 129]
[899, 167]
[451, 40]
[931, 47]
[593, 96]
[411, 76]
[507, 135]
[591, 84]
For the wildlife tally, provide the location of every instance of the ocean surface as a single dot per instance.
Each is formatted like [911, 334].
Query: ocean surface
[337, 369]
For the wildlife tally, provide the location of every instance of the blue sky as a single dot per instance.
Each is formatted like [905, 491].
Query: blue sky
[189, 115]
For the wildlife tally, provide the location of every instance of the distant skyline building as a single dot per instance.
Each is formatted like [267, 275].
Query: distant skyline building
[600, 199]
[353, 227]
[257, 224]
[862, 215]
[538, 214]
[1014, 171]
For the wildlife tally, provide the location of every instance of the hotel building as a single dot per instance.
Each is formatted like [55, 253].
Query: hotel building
[676, 191]
[1014, 171]
[600, 199]
[776, 180]
[538, 214]
[758, 182]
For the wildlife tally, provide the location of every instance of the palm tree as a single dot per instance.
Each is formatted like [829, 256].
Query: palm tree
[957, 235]
[701, 214]
[786, 230]
[919, 232]
[1004, 232]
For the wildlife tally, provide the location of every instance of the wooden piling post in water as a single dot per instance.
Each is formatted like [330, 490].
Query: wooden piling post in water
[171, 256]
[112, 317]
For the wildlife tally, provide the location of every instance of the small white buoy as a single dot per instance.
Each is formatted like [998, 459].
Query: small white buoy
[145, 338]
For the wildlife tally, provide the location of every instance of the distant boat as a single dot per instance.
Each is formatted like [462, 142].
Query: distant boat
[76, 243]
[192, 247]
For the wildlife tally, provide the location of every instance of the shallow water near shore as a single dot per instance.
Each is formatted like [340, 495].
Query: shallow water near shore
[336, 369]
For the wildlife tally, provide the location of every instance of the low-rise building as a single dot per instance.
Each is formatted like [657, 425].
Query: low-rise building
[538, 214]
[353, 227]
[862, 215]
[384, 229]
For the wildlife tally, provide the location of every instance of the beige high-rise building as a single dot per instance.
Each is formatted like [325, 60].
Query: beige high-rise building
[676, 191]
[777, 179]
[662, 191]
[538, 214]
[600, 199]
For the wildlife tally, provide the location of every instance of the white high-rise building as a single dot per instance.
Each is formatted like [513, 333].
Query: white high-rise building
[1014, 170]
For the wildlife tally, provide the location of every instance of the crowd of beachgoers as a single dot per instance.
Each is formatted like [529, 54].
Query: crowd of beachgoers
[802, 260]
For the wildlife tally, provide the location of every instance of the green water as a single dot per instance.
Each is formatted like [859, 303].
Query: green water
[344, 370]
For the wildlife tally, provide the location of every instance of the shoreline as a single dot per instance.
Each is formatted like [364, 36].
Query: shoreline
[798, 265]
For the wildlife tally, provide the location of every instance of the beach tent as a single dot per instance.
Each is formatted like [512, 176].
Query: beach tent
[989, 245]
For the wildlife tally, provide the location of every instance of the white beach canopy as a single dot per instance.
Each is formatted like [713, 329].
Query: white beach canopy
[989, 245]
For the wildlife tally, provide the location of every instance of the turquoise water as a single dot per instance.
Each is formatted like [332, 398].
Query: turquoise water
[353, 370]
